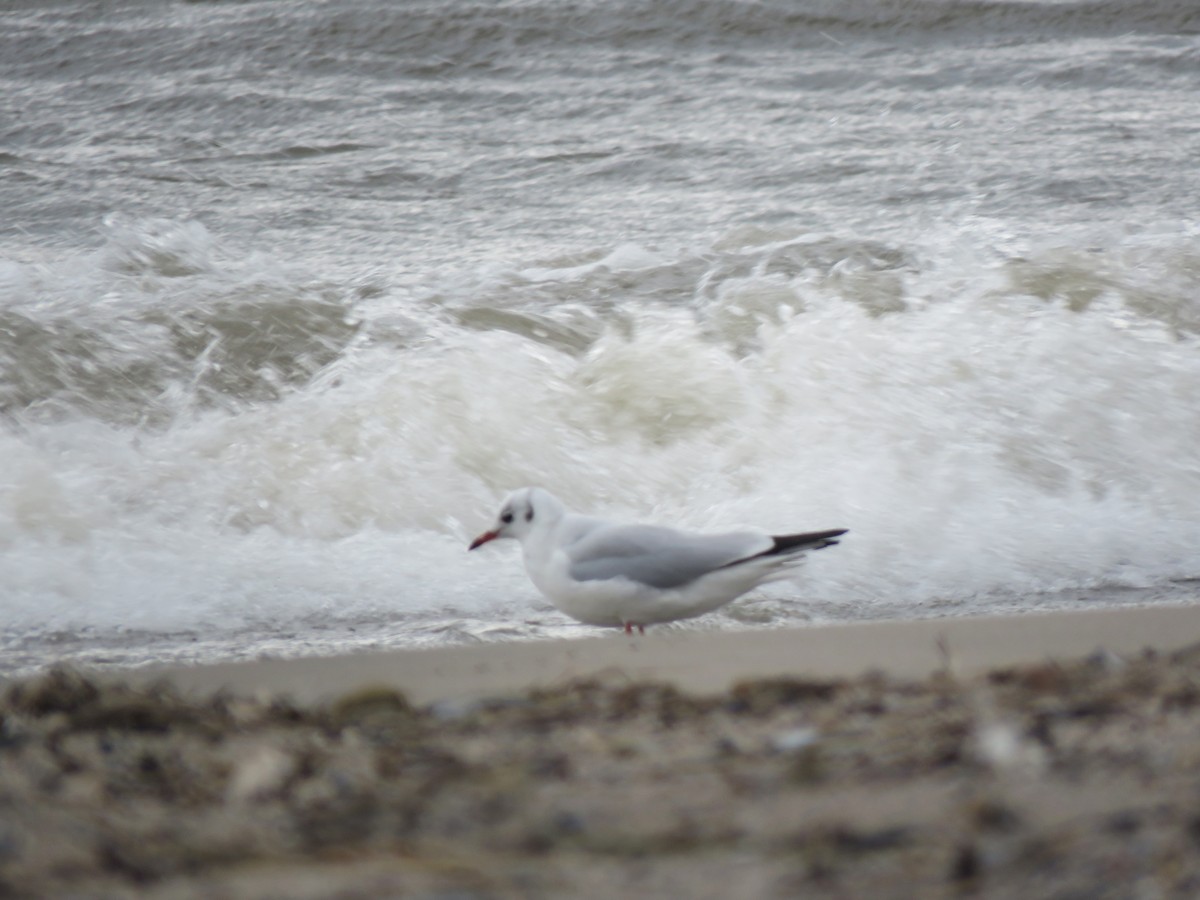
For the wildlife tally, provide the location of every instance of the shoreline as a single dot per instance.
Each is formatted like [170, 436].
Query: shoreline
[701, 662]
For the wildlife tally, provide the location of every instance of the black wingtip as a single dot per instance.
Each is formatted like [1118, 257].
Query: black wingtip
[813, 540]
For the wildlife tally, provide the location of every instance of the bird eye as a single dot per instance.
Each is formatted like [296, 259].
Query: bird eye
[506, 518]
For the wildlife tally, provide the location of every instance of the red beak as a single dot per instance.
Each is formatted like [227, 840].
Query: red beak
[483, 539]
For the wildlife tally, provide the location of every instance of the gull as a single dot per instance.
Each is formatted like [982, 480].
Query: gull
[630, 576]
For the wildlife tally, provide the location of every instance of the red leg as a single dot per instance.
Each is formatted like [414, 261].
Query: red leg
[641, 629]
[629, 628]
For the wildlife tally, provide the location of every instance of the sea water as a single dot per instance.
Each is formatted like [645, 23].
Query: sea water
[291, 293]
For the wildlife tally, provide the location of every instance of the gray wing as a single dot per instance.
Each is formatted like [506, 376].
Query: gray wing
[655, 556]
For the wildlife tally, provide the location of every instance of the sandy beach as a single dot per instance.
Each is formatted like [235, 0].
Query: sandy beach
[1031, 756]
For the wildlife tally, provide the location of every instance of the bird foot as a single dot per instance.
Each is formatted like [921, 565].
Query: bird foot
[629, 628]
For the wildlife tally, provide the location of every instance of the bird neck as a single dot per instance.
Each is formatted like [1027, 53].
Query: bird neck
[538, 545]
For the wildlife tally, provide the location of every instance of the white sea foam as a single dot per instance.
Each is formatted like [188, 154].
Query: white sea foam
[979, 441]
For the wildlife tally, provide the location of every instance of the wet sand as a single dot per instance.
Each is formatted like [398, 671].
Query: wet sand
[1033, 756]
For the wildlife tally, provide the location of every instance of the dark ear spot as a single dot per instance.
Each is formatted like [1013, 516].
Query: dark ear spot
[529, 514]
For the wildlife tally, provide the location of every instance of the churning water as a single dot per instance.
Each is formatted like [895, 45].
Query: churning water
[292, 292]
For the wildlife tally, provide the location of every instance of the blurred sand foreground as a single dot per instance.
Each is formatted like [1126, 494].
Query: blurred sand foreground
[1051, 755]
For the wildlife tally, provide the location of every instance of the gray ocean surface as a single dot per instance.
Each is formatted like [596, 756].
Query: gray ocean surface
[292, 292]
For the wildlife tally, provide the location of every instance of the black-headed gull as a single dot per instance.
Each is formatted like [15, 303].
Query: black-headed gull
[605, 573]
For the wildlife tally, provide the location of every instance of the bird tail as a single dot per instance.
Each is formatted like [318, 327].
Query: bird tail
[787, 550]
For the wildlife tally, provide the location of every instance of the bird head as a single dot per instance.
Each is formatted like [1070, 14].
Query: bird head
[521, 512]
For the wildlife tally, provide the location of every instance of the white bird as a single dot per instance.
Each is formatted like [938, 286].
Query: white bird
[606, 573]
